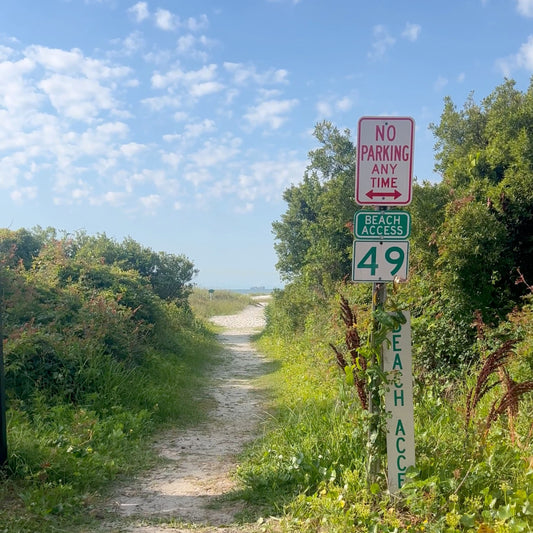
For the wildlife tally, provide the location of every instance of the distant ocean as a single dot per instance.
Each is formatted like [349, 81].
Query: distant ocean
[253, 290]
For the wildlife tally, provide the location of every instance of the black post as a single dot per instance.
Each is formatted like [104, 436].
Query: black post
[379, 297]
[3, 423]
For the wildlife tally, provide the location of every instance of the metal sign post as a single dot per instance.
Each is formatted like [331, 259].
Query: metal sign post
[3, 423]
[379, 297]
[383, 178]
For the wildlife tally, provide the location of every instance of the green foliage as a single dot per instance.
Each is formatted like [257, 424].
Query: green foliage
[20, 246]
[486, 154]
[312, 439]
[310, 466]
[169, 275]
[471, 232]
[97, 355]
[206, 304]
[470, 281]
[472, 258]
[313, 239]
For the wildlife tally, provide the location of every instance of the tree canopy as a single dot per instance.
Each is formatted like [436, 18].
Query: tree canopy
[472, 234]
[313, 237]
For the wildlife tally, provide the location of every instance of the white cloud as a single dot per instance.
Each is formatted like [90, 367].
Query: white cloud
[267, 180]
[5, 52]
[186, 43]
[440, 83]
[523, 59]
[55, 59]
[172, 159]
[66, 124]
[196, 24]
[270, 113]
[131, 149]
[344, 104]
[129, 45]
[216, 151]
[157, 103]
[81, 192]
[329, 105]
[324, 108]
[244, 209]
[411, 31]
[165, 20]
[193, 47]
[199, 128]
[17, 93]
[383, 41]
[111, 198]
[9, 172]
[525, 7]
[180, 116]
[158, 56]
[150, 202]
[178, 76]
[202, 89]
[77, 98]
[197, 83]
[248, 73]
[99, 141]
[139, 11]
[198, 176]
[71, 191]
[73, 62]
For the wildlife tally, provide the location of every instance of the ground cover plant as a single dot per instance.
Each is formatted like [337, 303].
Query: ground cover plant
[473, 470]
[210, 302]
[469, 294]
[101, 350]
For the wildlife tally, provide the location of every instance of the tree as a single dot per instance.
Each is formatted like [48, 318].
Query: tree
[485, 154]
[474, 229]
[170, 275]
[313, 237]
[19, 246]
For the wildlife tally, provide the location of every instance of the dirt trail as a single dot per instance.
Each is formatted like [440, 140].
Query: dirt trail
[186, 492]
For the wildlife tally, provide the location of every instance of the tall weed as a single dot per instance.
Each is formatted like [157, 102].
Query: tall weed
[206, 304]
[310, 465]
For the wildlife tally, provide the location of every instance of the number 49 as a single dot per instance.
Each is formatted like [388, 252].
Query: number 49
[380, 261]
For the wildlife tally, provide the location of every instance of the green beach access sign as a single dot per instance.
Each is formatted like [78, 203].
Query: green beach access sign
[382, 225]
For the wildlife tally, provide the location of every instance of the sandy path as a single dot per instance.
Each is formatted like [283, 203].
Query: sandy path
[184, 494]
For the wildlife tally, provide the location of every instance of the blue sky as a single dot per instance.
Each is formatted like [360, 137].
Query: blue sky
[181, 123]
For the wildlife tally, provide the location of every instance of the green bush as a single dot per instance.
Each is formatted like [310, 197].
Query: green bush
[95, 360]
[310, 466]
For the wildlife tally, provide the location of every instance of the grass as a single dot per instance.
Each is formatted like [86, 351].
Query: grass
[63, 458]
[310, 441]
[309, 466]
[219, 302]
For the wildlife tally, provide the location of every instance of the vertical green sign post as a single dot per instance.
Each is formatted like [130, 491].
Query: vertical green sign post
[383, 179]
[397, 364]
[3, 423]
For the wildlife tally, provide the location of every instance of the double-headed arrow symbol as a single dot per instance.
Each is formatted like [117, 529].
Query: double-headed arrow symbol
[373, 194]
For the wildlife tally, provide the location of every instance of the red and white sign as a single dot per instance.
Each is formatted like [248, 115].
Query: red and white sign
[384, 173]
